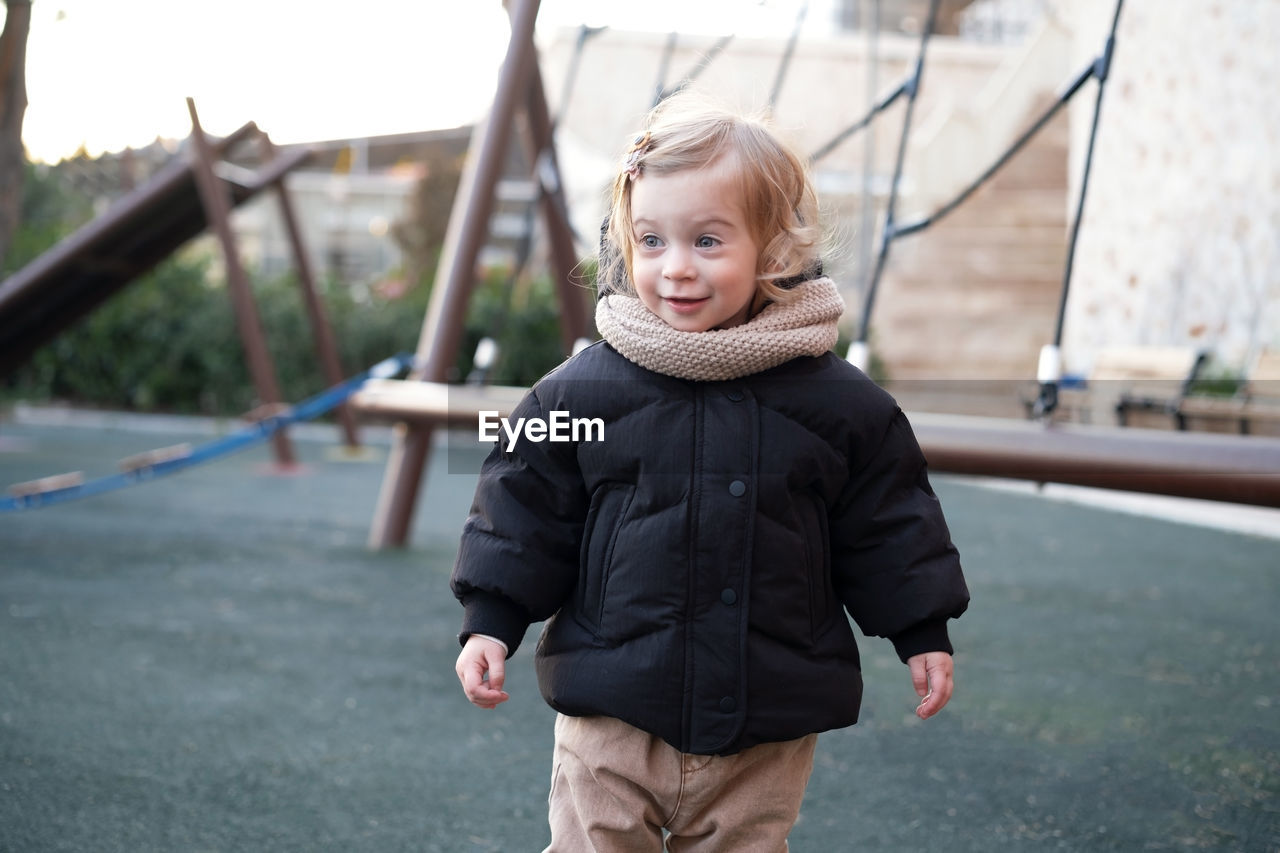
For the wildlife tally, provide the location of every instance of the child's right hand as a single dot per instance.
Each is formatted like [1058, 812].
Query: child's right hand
[482, 657]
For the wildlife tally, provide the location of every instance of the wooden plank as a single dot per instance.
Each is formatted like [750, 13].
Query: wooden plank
[436, 403]
[150, 458]
[44, 485]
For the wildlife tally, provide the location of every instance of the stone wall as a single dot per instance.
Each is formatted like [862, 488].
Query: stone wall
[1180, 243]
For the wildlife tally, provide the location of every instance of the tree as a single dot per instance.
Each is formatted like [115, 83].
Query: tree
[421, 233]
[13, 106]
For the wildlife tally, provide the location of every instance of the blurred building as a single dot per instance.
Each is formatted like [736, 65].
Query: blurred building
[349, 196]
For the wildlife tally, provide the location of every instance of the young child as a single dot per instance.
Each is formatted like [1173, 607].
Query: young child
[695, 561]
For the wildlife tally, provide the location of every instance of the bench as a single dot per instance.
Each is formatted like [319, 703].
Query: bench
[1129, 380]
[1257, 400]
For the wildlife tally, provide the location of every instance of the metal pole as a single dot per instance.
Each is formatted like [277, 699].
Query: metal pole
[217, 209]
[468, 229]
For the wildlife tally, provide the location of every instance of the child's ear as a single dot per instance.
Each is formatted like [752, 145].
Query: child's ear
[759, 301]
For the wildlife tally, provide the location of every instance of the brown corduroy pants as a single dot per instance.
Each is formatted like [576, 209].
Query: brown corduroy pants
[616, 788]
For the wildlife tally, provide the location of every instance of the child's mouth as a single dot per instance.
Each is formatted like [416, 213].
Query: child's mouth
[683, 305]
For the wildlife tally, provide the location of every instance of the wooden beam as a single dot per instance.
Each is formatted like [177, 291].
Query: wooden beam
[446, 314]
[1208, 466]
[322, 334]
[217, 207]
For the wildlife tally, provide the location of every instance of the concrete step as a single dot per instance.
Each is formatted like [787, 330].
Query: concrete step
[999, 277]
[974, 231]
[981, 261]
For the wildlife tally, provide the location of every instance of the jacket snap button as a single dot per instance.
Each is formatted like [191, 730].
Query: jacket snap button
[737, 488]
[734, 394]
[727, 704]
[728, 596]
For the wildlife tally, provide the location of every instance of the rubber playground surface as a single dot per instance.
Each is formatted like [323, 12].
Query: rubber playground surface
[213, 661]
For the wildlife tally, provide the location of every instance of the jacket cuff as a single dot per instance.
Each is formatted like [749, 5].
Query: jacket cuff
[924, 637]
[495, 616]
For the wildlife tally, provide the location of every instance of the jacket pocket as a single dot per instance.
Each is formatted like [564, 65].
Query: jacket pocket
[608, 509]
[818, 565]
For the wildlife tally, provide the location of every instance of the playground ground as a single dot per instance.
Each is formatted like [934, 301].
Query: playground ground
[213, 661]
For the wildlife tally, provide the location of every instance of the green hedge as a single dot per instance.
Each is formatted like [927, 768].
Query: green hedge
[169, 341]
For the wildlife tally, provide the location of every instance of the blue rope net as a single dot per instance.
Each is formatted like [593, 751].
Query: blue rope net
[255, 433]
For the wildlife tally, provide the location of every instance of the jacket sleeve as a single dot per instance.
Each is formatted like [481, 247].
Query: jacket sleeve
[518, 559]
[893, 563]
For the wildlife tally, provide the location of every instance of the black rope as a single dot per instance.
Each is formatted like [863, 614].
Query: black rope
[879, 107]
[787, 53]
[547, 174]
[1047, 400]
[703, 64]
[546, 169]
[663, 66]
[571, 76]
[866, 214]
[1074, 86]
[1102, 68]
[886, 237]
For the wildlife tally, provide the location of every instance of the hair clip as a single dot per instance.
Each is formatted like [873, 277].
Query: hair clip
[632, 166]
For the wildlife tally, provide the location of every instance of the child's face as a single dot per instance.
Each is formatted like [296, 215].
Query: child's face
[694, 262]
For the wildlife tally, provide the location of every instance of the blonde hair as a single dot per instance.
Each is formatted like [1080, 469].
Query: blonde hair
[781, 206]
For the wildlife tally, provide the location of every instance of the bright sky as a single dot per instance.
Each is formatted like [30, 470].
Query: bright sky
[106, 74]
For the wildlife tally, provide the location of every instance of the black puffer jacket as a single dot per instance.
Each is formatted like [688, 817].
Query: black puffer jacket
[693, 564]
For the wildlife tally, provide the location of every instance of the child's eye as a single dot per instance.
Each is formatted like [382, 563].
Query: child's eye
[649, 241]
[706, 242]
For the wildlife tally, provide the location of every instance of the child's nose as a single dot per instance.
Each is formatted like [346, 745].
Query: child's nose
[677, 263]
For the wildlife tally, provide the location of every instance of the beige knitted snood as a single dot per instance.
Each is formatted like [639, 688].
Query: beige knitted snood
[779, 333]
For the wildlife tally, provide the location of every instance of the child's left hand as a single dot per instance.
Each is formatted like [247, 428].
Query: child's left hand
[931, 675]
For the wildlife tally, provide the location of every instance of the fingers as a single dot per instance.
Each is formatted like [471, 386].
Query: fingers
[497, 672]
[919, 677]
[932, 675]
[481, 668]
